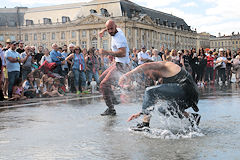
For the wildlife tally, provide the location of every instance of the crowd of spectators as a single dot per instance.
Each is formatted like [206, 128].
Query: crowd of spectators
[29, 72]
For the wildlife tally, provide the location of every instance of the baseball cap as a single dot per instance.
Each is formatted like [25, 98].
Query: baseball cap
[71, 45]
[14, 42]
[8, 41]
[220, 50]
[143, 47]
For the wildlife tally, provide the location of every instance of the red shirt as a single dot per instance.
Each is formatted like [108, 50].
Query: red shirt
[210, 61]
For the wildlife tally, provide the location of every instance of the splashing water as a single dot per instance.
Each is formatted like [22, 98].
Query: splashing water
[169, 127]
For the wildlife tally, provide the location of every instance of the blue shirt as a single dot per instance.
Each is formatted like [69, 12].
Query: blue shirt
[12, 66]
[77, 59]
[64, 55]
[54, 54]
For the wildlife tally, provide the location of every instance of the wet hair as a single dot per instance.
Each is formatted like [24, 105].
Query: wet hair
[18, 82]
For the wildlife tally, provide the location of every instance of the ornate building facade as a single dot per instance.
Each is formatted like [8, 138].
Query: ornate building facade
[226, 42]
[80, 24]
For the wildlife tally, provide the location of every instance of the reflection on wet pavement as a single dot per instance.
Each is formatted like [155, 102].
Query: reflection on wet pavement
[75, 130]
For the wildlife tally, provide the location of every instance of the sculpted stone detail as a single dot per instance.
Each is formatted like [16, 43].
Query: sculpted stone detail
[146, 19]
[91, 19]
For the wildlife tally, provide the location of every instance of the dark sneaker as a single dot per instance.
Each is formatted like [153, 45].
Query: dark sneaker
[109, 112]
[197, 118]
[141, 127]
[194, 117]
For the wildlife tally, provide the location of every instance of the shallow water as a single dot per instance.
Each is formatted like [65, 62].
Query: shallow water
[71, 130]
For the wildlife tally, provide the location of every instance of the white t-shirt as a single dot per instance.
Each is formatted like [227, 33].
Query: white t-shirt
[224, 59]
[144, 56]
[46, 58]
[120, 41]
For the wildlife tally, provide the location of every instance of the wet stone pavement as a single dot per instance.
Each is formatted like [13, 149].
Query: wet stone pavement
[74, 129]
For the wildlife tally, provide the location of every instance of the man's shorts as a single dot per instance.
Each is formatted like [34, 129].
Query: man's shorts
[5, 72]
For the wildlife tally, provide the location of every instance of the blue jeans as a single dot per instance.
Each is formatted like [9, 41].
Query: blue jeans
[95, 75]
[12, 76]
[176, 95]
[79, 76]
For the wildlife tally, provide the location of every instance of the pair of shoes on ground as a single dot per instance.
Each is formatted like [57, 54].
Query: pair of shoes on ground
[144, 126]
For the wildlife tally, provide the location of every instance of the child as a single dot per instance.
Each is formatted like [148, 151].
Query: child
[28, 85]
[43, 83]
[51, 89]
[18, 91]
[57, 86]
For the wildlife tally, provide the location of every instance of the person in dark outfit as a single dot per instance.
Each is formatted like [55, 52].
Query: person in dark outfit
[178, 89]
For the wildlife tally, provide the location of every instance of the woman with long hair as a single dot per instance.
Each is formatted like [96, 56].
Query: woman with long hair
[202, 66]
[77, 61]
[46, 56]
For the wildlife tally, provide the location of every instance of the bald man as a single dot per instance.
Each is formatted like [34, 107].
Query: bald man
[57, 58]
[109, 77]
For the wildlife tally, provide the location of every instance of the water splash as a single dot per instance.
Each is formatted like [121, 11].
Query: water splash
[170, 127]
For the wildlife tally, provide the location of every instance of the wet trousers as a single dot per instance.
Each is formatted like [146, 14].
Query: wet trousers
[108, 78]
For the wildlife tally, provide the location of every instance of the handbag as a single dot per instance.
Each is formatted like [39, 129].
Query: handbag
[219, 65]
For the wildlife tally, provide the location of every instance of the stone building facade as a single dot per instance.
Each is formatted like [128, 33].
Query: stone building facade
[80, 24]
[203, 40]
[226, 42]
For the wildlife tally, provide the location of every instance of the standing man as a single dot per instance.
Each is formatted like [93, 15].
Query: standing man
[39, 55]
[57, 58]
[143, 56]
[13, 61]
[27, 64]
[5, 72]
[120, 51]
[21, 47]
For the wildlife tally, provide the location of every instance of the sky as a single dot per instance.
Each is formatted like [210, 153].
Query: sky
[212, 16]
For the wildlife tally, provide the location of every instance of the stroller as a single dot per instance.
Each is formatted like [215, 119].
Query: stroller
[48, 68]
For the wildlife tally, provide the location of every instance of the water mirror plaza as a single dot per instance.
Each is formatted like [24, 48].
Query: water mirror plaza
[74, 129]
[119, 80]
